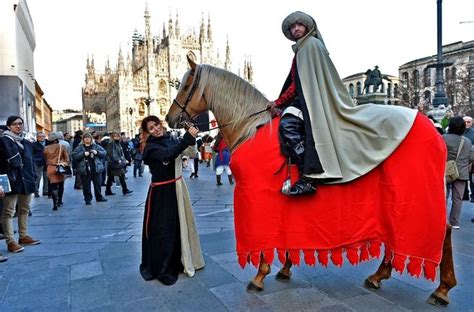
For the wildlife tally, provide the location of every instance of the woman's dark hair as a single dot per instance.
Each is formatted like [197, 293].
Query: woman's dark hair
[11, 119]
[456, 125]
[147, 119]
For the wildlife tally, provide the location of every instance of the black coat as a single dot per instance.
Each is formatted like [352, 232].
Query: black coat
[161, 244]
[38, 155]
[21, 172]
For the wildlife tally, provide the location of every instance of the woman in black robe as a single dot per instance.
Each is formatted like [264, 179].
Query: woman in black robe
[170, 243]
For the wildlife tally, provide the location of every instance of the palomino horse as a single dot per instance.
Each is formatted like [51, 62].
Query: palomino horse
[334, 220]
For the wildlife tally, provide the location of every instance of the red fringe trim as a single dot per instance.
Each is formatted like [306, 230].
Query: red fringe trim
[414, 266]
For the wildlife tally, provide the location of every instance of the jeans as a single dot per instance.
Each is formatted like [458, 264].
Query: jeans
[137, 167]
[40, 172]
[110, 181]
[96, 179]
[9, 204]
[457, 190]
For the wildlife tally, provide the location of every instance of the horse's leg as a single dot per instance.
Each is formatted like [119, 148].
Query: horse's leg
[375, 280]
[256, 284]
[284, 274]
[447, 277]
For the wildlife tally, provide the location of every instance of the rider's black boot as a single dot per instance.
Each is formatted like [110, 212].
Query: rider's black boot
[303, 186]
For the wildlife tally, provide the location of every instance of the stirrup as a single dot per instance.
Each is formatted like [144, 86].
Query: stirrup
[302, 187]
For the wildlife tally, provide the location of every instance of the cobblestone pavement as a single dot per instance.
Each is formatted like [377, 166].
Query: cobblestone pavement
[89, 259]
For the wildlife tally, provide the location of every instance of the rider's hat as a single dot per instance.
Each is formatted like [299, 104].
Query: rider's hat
[297, 17]
[302, 18]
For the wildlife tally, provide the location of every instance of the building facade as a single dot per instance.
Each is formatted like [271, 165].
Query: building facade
[17, 44]
[418, 79]
[145, 80]
[43, 112]
[390, 87]
[69, 125]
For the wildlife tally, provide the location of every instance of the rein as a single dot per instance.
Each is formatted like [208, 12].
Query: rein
[190, 124]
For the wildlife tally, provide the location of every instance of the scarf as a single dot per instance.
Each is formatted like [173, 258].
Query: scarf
[15, 138]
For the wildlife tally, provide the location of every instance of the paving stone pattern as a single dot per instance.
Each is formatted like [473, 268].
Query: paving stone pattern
[89, 258]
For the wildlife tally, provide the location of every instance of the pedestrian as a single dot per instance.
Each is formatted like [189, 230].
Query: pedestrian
[170, 242]
[137, 157]
[75, 143]
[89, 158]
[16, 160]
[195, 159]
[459, 149]
[39, 163]
[320, 122]
[2, 194]
[222, 159]
[116, 164]
[104, 142]
[469, 133]
[445, 120]
[55, 154]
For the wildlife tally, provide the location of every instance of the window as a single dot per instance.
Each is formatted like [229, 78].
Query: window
[405, 78]
[389, 90]
[446, 74]
[427, 77]
[359, 88]
[416, 79]
[351, 90]
[395, 90]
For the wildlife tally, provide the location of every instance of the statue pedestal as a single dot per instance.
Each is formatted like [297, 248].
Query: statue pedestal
[375, 98]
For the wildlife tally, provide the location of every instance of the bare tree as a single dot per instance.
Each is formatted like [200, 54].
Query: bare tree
[458, 90]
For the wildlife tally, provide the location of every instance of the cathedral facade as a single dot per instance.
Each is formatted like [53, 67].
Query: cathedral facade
[145, 81]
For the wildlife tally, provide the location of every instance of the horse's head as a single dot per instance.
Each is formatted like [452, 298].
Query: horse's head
[190, 100]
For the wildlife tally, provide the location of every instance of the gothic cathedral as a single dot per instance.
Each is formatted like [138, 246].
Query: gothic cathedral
[145, 83]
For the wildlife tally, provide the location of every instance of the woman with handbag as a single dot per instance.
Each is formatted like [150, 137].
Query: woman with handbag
[459, 150]
[116, 163]
[56, 157]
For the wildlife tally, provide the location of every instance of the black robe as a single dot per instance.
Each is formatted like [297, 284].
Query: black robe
[161, 244]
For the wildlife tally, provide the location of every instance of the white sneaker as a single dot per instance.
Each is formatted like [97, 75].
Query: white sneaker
[456, 227]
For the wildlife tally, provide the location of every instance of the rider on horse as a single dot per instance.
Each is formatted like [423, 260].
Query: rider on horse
[329, 138]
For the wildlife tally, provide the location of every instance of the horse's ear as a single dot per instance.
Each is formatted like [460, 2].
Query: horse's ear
[191, 63]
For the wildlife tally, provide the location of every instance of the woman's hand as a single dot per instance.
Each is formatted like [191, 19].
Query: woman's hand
[193, 131]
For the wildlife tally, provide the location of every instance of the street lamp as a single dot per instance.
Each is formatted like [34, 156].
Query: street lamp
[440, 95]
[131, 110]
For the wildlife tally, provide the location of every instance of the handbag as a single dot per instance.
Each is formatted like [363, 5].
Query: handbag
[451, 171]
[65, 170]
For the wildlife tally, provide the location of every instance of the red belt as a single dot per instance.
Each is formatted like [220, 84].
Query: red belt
[148, 205]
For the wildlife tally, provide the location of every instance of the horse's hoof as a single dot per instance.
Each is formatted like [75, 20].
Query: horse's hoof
[282, 277]
[252, 287]
[436, 300]
[371, 285]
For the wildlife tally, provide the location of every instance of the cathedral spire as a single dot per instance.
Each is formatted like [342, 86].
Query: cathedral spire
[209, 30]
[202, 31]
[147, 16]
[170, 27]
[164, 30]
[121, 64]
[176, 27]
[228, 63]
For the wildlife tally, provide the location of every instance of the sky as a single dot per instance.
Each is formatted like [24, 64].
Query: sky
[358, 34]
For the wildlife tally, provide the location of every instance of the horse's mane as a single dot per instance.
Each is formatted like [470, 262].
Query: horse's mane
[233, 100]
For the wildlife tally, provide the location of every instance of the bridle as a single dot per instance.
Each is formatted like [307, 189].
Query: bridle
[186, 122]
[181, 119]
